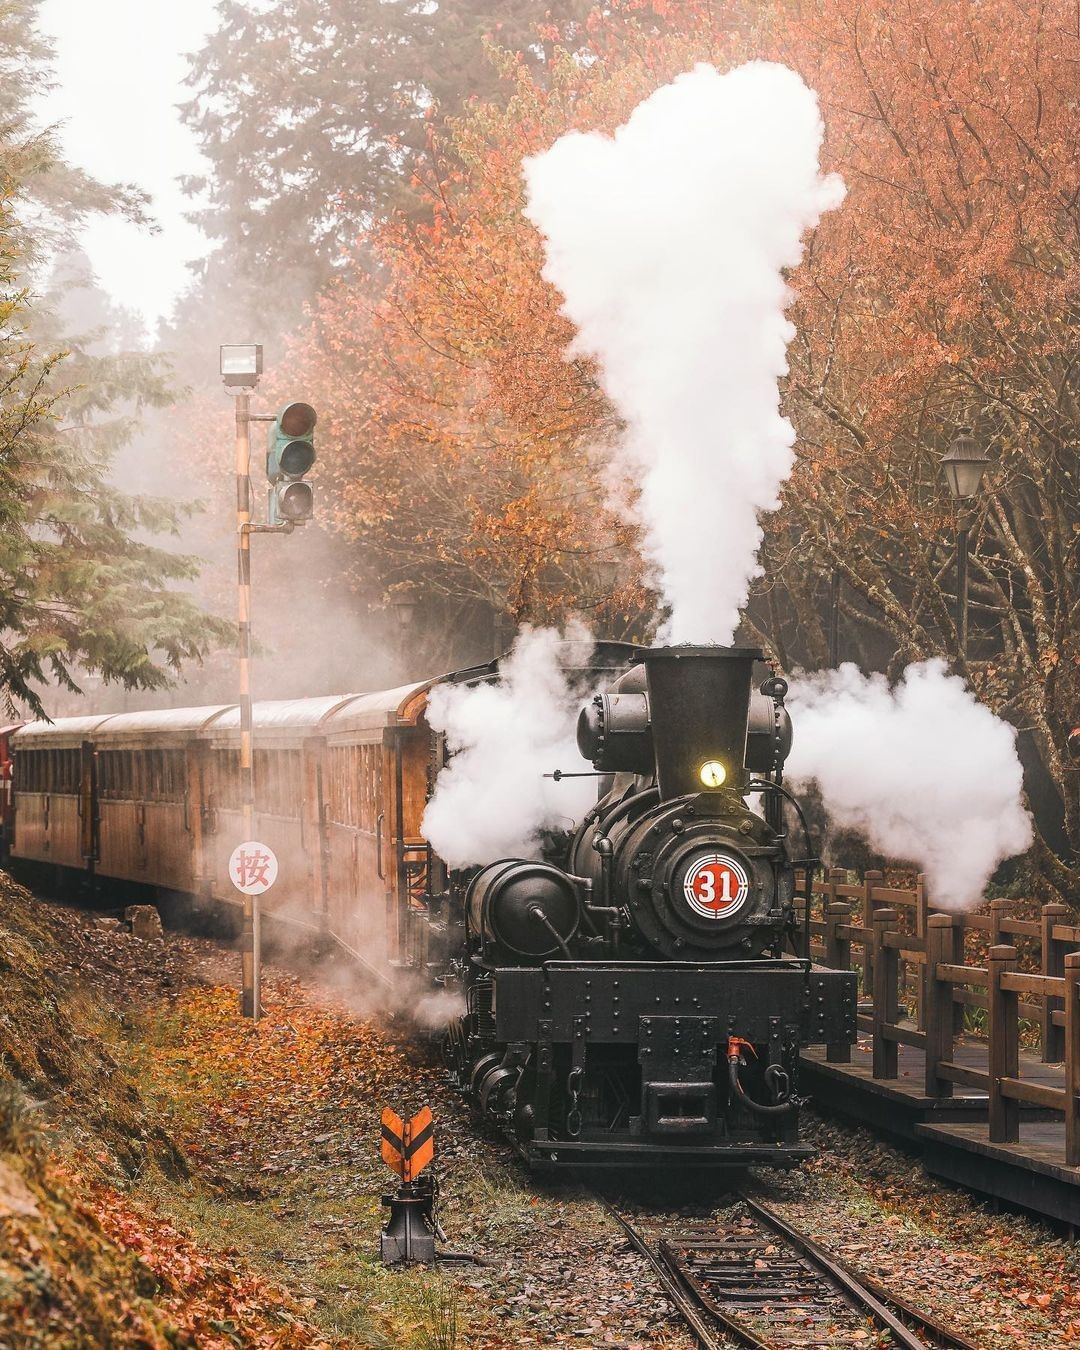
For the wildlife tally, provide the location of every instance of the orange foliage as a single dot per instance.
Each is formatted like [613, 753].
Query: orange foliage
[935, 296]
[87, 1265]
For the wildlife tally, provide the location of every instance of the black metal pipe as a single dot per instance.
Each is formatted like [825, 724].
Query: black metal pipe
[648, 797]
[776, 1109]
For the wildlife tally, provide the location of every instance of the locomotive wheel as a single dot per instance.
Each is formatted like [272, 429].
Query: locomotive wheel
[496, 1082]
[480, 1070]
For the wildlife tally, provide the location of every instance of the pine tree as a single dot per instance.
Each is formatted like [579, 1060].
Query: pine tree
[85, 586]
[312, 113]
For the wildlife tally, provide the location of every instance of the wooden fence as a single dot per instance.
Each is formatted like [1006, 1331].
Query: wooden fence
[916, 985]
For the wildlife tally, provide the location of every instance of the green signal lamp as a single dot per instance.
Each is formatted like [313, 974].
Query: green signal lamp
[290, 454]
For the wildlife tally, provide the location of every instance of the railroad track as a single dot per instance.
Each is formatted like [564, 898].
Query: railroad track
[751, 1279]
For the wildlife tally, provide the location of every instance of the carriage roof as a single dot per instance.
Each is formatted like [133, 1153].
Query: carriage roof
[274, 719]
[65, 731]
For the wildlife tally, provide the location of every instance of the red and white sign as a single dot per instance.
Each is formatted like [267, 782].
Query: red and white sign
[716, 886]
[253, 867]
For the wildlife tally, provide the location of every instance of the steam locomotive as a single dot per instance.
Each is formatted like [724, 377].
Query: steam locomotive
[637, 1002]
[633, 997]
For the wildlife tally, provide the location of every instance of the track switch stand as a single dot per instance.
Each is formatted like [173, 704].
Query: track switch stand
[407, 1147]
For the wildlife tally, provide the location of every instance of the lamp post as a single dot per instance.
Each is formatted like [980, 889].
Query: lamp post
[834, 619]
[241, 367]
[964, 465]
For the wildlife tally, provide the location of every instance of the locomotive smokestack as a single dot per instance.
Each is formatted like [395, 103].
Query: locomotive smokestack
[699, 706]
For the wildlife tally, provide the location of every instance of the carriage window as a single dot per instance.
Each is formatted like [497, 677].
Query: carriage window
[352, 796]
[30, 768]
[163, 775]
[66, 772]
[173, 775]
[335, 803]
[277, 782]
[61, 771]
[227, 779]
[106, 772]
[368, 779]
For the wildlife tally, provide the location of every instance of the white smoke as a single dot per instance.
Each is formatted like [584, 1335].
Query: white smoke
[923, 771]
[492, 800]
[668, 242]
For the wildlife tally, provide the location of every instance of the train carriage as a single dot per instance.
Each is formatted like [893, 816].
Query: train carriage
[376, 777]
[146, 788]
[55, 816]
[635, 995]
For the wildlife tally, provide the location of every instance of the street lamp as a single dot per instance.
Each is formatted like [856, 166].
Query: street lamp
[404, 601]
[964, 465]
[607, 575]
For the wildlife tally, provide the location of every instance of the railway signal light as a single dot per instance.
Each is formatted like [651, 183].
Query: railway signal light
[290, 453]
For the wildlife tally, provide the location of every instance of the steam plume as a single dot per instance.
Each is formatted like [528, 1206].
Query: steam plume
[492, 800]
[923, 771]
[668, 242]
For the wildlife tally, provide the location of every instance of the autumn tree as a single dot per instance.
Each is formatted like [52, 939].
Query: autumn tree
[937, 296]
[458, 425]
[313, 116]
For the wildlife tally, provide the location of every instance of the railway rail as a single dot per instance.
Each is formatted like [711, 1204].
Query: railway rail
[752, 1279]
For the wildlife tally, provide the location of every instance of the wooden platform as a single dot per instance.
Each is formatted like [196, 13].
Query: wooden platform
[951, 1132]
[897, 1105]
[1028, 1173]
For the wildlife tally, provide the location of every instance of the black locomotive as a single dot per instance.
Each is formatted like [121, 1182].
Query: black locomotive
[638, 1000]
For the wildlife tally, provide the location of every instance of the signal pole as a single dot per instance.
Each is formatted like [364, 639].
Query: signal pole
[251, 936]
[292, 504]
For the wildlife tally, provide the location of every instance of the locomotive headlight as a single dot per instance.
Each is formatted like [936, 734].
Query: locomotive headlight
[712, 773]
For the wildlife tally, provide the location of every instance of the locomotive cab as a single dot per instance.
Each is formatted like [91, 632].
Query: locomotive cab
[642, 1002]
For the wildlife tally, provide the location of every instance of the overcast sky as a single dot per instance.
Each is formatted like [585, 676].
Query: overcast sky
[119, 67]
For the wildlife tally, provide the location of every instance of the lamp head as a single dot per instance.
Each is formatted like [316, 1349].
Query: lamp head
[964, 464]
[241, 365]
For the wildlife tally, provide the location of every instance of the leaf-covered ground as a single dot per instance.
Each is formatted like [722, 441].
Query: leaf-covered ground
[204, 1182]
[82, 1261]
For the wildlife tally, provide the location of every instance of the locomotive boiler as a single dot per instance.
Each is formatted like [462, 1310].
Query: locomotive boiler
[639, 999]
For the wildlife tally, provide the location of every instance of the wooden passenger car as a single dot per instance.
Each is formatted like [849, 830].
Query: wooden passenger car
[147, 790]
[153, 798]
[55, 812]
[375, 776]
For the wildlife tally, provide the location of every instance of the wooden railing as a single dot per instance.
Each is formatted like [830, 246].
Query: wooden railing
[916, 985]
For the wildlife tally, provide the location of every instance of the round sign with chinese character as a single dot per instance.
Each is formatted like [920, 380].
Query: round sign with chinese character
[716, 886]
[253, 868]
